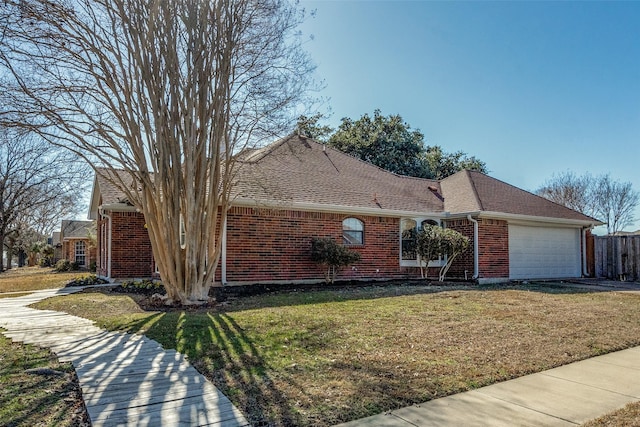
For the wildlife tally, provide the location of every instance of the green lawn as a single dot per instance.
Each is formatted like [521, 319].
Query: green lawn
[36, 400]
[323, 357]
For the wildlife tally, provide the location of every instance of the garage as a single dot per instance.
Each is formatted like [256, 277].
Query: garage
[543, 252]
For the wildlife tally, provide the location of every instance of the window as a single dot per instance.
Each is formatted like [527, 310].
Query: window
[409, 233]
[409, 229]
[80, 253]
[352, 231]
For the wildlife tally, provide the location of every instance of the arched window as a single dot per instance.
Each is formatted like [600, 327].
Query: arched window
[352, 231]
[408, 233]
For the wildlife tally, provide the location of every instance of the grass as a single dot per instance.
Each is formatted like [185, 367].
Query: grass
[629, 416]
[28, 399]
[34, 278]
[324, 357]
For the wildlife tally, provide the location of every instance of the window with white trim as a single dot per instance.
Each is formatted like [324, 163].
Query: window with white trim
[409, 229]
[352, 231]
[80, 251]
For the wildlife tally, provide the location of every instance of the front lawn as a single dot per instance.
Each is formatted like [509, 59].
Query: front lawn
[629, 416]
[35, 278]
[48, 397]
[323, 357]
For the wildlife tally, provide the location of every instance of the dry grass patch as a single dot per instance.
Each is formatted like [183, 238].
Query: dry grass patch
[629, 416]
[324, 357]
[34, 278]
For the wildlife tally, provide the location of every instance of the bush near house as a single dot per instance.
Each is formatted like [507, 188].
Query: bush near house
[66, 265]
[327, 252]
[434, 242]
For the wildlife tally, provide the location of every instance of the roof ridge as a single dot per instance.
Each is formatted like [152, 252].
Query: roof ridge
[262, 152]
[371, 164]
[475, 189]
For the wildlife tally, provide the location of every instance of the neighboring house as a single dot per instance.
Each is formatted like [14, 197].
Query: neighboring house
[77, 240]
[56, 242]
[296, 189]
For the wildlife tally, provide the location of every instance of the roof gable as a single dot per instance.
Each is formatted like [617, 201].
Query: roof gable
[472, 191]
[73, 229]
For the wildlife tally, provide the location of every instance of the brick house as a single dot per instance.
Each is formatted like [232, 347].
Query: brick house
[76, 243]
[296, 189]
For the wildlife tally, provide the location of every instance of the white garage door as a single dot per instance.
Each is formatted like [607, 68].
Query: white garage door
[543, 252]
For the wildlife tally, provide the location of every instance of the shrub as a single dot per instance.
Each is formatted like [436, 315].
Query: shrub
[90, 280]
[434, 242]
[327, 252]
[63, 265]
[146, 287]
[66, 265]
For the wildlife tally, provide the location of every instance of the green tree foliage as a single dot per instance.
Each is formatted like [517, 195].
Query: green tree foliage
[442, 164]
[310, 127]
[390, 143]
[434, 242]
[387, 142]
[327, 252]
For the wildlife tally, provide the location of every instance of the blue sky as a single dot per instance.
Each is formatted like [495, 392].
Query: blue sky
[531, 88]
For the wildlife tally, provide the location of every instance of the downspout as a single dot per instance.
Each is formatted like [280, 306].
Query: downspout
[585, 273]
[476, 265]
[104, 215]
[223, 256]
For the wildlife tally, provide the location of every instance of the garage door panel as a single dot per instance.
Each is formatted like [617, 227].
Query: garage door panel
[543, 252]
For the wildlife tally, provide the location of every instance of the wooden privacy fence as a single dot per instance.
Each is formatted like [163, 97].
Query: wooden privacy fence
[617, 257]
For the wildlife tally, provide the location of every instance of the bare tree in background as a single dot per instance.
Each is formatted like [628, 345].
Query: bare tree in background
[609, 200]
[39, 184]
[571, 190]
[169, 91]
[615, 203]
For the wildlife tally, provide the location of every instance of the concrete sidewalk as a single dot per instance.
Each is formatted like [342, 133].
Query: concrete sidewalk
[564, 396]
[126, 379]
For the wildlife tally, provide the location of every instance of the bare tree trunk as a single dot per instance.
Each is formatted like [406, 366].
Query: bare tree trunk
[164, 95]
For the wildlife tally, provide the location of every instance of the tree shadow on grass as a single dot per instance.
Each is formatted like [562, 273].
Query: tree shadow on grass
[220, 350]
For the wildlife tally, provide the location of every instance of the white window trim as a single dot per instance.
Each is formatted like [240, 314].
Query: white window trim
[360, 231]
[415, 262]
[82, 253]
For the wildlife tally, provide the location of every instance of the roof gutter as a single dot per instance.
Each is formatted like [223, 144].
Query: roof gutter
[527, 219]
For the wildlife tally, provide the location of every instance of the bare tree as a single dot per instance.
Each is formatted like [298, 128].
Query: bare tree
[611, 201]
[167, 91]
[571, 190]
[35, 178]
[615, 203]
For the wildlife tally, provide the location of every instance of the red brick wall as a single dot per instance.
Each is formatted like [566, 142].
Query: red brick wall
[69, 251]
[493, 248]
[464, 261]
[273, 245]
[130, 246]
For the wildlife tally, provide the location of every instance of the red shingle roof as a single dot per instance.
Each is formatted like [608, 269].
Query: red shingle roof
[299, 170]
[470, 191]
